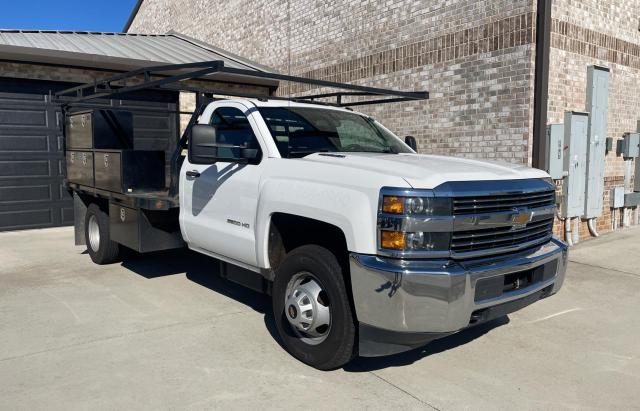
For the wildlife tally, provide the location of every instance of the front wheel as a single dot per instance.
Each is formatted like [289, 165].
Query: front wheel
[312, 309]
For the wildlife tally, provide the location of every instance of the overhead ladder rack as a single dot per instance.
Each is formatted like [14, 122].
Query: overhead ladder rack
[173, 77]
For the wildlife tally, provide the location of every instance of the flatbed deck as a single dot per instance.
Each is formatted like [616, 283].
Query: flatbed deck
[148, 200]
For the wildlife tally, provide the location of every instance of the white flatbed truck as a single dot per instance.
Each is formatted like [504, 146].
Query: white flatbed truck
[366, 247]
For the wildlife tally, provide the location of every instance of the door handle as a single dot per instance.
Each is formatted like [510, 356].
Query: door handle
[193, 174]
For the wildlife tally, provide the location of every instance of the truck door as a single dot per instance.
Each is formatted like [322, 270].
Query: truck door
[219, 201]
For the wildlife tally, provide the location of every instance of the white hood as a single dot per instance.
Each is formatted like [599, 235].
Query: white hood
[429, 171]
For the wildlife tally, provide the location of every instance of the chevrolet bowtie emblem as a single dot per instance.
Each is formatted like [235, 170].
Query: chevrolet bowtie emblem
[521, 218]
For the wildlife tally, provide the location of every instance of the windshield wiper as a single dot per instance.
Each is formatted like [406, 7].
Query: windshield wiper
[310, 151]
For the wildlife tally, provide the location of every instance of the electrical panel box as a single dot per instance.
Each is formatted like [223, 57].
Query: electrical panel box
[617, 197]
[630, 145]
[598, 108]
[555, 155]
[576, 126]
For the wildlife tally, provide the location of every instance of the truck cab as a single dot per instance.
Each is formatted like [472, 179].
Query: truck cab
[423, 245]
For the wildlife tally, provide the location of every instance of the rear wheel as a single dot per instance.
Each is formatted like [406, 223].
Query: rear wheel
[99, 244]
[312, 309]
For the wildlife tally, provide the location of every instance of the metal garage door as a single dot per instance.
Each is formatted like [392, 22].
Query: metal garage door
[31, 150]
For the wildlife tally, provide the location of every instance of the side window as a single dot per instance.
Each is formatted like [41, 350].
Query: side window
[232, 127]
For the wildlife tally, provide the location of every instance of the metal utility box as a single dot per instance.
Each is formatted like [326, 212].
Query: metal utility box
[576, 125]
[630, 147]
[127, 171]
[80, 167]
[608, 145]
[617, 197]
[144, 230]
[598, 108]
[632, 199]
[99, 129]
[555, 155]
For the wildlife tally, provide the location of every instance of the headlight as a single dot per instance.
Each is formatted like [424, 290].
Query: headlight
[416, 205]
[393, 240]
[397, 220]
[393, 204]
[428, 241]
[419, 241]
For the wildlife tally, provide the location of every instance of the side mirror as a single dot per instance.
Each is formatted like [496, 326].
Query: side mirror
[411, 142]
[204, 149]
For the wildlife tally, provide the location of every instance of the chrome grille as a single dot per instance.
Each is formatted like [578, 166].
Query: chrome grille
[502, 202]
[501, 238]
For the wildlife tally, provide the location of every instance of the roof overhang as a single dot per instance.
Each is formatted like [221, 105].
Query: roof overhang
[55, 54]
[100, 62]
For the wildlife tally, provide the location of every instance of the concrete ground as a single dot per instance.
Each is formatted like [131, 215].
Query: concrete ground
[165, 332]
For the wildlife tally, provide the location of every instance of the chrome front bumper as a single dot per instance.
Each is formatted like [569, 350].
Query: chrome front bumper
[439, 296]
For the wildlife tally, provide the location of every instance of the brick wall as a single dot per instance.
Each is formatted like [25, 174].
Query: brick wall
[475, 57]
[51, 73]
[588, 32]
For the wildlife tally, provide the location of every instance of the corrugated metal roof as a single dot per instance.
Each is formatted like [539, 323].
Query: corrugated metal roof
[118, 51]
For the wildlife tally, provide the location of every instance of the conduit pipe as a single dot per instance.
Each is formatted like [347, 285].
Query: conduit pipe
[592, 228]
[567, 231]
[576, 230]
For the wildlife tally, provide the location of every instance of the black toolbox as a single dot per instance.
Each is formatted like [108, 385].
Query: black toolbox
[99, 129]
[80, 167]
[128, 171]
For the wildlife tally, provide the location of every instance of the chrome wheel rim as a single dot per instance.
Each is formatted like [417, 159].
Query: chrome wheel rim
[94, 233]
[307, 308]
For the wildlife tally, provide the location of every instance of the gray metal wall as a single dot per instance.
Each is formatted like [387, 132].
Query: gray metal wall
[32, 163]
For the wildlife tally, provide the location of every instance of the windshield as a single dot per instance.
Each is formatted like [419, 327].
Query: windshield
[300, 131]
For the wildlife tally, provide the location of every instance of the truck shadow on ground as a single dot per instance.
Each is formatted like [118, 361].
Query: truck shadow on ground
[364, 364]
[200, 269]
[205, 271]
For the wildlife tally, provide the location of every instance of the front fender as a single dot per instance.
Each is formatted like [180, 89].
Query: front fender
[351, 209]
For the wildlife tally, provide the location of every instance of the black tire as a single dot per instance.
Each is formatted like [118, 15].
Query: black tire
[339, 345]
[107, 251]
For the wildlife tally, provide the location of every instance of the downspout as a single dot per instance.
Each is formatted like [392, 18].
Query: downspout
[541, 84]
[541, 98]
[132, 16]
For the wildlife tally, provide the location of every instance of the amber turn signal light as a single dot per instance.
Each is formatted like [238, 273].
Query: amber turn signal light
[393, 204]
[393, 240]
